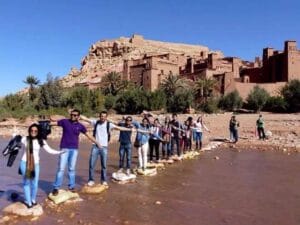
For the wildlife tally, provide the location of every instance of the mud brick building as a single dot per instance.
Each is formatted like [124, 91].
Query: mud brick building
[232, 73]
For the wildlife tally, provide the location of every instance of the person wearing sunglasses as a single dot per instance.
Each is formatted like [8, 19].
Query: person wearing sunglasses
[71, 129]
[29, 165]
[125, 143]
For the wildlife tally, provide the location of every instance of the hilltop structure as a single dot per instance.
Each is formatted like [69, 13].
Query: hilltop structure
[147, 63]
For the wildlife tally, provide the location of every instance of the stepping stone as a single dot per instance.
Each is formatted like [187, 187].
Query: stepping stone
[155, 165]
[63, 196]
[95, 189]
[123, 178]
[18, 208]
[147, 172]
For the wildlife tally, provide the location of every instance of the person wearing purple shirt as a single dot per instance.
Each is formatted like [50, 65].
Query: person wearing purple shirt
[69, 143]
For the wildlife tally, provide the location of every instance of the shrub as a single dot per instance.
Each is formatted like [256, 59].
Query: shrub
[180, 101]
[132, 101]
[110, 102]
[232, 101]
[276, 104]
[291, 94]
[157, 100]
[211, 106]
[257, 98]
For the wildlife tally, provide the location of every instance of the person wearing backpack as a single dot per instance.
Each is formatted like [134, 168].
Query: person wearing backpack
[101, 132]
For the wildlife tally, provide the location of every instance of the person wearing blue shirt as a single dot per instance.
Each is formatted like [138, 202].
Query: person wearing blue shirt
[125, 143]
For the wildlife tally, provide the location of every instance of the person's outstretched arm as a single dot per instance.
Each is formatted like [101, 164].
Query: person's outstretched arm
[83, 117]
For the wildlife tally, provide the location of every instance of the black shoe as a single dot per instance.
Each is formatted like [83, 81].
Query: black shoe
[72, 190]
[33, 203]
[55, 192]
[28, 206]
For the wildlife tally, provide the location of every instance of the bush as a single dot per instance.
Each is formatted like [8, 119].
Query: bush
[211, 106]
[291, 94]
[257, 98]
[157, 100]
[276, 104]
[180, 101]
[132, 101]
[50, 94]
[110, 102]
[231, 102]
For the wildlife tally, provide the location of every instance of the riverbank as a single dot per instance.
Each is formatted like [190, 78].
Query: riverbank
[285, 129]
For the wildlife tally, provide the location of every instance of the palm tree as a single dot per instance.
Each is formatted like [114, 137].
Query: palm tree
[172, 83]
[204, 88]
[112, 83]
[32, 81]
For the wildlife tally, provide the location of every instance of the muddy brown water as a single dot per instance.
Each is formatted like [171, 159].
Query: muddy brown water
[241, 188]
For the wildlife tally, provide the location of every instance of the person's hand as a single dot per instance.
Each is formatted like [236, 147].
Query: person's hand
[63, 151]
[98, 144]
[70, 110]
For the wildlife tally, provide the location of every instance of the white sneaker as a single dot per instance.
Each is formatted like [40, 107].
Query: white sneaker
[120, 170]
[104, 183]
[128, 172]
[91, 183]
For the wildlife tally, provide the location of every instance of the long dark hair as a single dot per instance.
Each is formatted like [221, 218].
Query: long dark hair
[38, 137]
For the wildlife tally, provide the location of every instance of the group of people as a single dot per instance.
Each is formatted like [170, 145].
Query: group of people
[163, 140]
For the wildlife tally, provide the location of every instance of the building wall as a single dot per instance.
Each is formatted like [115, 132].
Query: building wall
[245, 88]
[293, 60]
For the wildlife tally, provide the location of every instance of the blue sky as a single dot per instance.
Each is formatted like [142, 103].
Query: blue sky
[38, 37]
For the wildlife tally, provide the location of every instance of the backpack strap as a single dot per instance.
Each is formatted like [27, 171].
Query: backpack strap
[95, 128]
[107, 129]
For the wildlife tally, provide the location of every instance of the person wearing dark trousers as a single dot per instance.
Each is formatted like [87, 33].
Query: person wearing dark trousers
[166, 136]
[260, 125]
[233, 127]
[175, 135]
[154, 140]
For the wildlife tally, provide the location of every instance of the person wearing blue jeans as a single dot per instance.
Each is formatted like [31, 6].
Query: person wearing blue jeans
[29, 166]
[102, 129]
[95, 152]
[69, 157]
[125, 142]
[125, 149]
[69, 143]
[30, 186]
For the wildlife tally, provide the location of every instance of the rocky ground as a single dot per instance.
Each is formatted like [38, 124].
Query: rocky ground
[285, 129]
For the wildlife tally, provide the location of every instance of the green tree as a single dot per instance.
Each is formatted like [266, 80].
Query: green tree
[157, 100]
[112, 83]
[204, 88]
[276, 104]
[13, 102]
[180, 101]
[291, 94]
[132, 101]
[231, 101]
[32, 81]
[257, 98]
[171, 84]
[51, 93]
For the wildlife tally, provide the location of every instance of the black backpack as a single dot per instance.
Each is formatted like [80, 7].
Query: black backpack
[107, 129]
[45, 128]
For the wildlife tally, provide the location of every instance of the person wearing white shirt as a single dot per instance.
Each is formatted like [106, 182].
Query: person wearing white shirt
[199, 125]
[29, 165]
